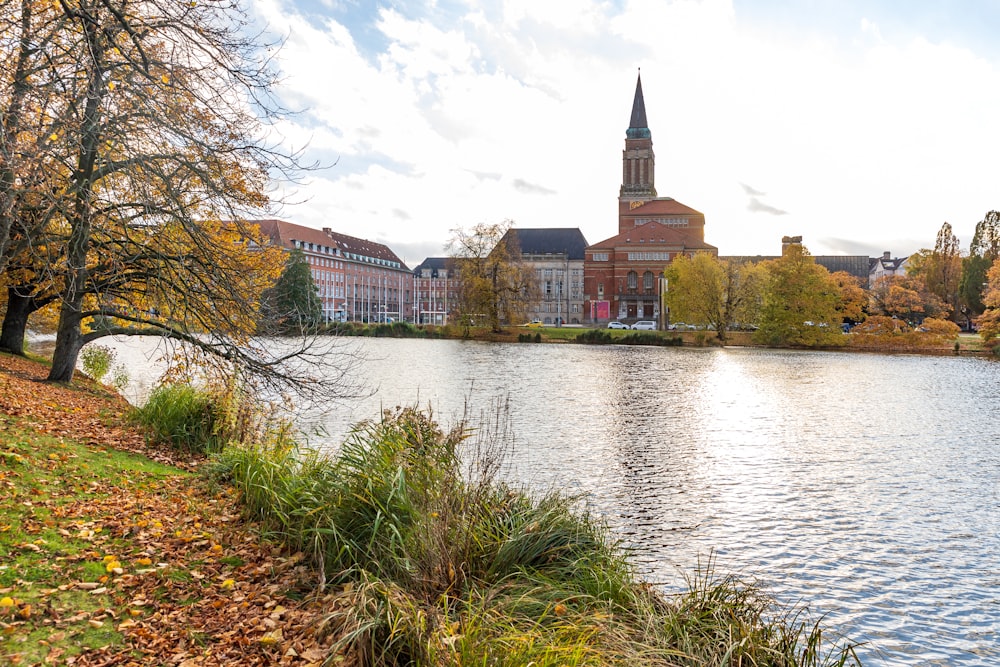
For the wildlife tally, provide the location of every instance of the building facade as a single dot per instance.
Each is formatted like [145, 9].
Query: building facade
[886, 266]
[358, 280]
[623, 275]
[435, 291]
[556, 256]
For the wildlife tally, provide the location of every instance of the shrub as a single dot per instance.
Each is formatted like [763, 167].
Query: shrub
[595, 337]
[97, 360]
[443, 564]
[203, 418]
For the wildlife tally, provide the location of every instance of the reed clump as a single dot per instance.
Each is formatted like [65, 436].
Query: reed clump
[427, 558]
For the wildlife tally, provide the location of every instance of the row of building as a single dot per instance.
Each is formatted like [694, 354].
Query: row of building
[580, 283]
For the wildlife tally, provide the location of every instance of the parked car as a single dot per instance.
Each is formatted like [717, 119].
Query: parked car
[647, 325]
[534, 324]
[615, 324]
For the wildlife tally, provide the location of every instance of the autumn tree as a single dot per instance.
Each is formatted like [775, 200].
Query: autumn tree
[706, 290]
[495, 285]
[989, 322]
[293, 304]
[160, 109]
[983, 251]
[940, 268]
[906, 297]
[853, 298]
[801, 301]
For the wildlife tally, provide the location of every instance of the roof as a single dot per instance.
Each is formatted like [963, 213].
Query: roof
[661, 206]
[638, 128]
[653, 234]
[551, 240]
[285, 233]
[856, 265]
[434, 264]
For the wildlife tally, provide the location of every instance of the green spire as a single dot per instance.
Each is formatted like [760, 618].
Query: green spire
[638, 128]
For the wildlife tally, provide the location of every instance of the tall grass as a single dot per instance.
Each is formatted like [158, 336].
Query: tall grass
[204, 418]
[429, 559]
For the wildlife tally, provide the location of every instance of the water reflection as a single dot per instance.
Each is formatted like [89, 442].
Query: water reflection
[866, 485]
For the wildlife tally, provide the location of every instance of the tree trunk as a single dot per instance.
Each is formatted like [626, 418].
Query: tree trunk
[15, 322]
[69, 341]
[69, 338]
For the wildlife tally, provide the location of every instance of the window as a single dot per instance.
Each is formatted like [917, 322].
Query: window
[600, 289]
[647, 280]
[633, 280]
[600, 256]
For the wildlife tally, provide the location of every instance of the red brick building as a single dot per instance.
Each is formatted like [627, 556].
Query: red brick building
[358, 280]
[623, 274]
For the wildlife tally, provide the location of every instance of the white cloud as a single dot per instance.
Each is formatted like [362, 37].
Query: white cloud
[855, 136]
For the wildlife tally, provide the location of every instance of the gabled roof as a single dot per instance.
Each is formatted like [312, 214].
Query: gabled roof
[551, 240]
[653, 234]
[661, 206]
[435, 264]
[284, 233]
[364, 247]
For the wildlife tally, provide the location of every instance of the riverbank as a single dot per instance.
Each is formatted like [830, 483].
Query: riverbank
[117, 553]
[121, 555]
[965, 344]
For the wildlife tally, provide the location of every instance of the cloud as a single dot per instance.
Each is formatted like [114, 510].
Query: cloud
[522, 185]
[755, 205]
[485, 175]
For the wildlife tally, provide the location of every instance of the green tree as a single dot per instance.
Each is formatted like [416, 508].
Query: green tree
[706, 290]
[940, 268]
[800, 302]
[495, 284]
[983, 251]
[293, 304]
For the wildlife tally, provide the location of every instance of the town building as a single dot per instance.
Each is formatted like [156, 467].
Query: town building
[884, 267]
[556, 255]
[855, 265]
[623, 275]
[358, 280]
[435, 289]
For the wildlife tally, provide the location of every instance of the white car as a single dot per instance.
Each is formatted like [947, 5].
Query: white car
[646, 325]
[617, 325]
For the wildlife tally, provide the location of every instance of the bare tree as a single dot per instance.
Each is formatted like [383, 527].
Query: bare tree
[495, 285]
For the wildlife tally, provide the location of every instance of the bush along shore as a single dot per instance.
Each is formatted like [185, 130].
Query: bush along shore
[403, 548]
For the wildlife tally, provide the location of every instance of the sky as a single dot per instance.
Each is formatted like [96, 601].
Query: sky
[861, 125]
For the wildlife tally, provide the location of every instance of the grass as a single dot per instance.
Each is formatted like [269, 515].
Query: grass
[54, 535]
[434, 561]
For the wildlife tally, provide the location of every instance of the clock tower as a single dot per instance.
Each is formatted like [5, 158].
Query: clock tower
[638, 160]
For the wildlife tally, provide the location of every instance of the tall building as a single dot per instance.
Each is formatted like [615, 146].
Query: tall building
[435, 290]
[358, 280]
[623, 274]
[556, 255]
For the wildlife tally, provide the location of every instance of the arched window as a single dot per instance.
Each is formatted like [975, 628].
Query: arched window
[647, 280]
[633, 280]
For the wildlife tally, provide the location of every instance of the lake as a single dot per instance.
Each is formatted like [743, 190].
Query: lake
[865, 486]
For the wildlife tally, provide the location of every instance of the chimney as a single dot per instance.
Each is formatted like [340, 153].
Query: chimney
[886, 256]
[327, 230]
[788, 241]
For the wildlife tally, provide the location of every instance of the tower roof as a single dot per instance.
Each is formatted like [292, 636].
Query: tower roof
[638, 127]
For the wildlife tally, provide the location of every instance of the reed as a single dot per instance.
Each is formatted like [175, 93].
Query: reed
[428, 558]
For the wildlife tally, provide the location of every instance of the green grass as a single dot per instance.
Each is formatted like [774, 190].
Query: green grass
[437, 562]
[48, 538]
